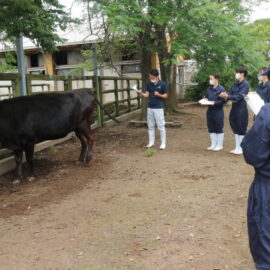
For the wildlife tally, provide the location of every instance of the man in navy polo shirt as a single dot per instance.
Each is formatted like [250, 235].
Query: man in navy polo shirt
[156, 91]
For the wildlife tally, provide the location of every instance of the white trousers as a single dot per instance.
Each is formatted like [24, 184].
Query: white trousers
[155, 117]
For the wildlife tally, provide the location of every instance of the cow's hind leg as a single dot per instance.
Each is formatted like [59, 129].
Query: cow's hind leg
[18, 158]
[89, 135]
[29, 154]
[90, 145]
[83, 145]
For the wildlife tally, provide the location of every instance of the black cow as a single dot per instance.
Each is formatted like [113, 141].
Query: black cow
[25, 121]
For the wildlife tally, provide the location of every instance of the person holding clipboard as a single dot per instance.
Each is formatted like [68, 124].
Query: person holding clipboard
[215, 112]
[157, 92]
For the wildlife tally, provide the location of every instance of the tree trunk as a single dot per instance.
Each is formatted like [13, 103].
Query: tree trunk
[171, 104]
[167, 67]
[145, 68]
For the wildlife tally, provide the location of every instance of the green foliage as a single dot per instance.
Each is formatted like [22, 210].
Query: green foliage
[119, 25]
[224, 45]
[36, 19]
[150, 152]
[87, 63]
[210, 32]
[260, 30]
[53, 149]
[8, 63]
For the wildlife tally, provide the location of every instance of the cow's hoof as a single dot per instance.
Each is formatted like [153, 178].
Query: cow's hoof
[31, 179]
[88, 163]
[16, 181]
[88, 160]
[78, 162]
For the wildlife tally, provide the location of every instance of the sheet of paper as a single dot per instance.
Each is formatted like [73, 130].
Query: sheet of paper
[206, 102]
[254, 102]
[136, 89]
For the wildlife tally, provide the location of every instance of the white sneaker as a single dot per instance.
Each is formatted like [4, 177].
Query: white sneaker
[163, 140]
[220, 140]
[213, 139]
[151, 134]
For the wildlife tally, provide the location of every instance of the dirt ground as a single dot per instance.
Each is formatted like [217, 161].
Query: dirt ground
[180, 209]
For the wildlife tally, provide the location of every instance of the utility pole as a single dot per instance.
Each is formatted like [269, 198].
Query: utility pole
[21, 66]
[98, 94]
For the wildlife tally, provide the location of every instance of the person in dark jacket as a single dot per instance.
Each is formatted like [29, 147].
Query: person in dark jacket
[256, 149]
[263, 89]
[239, 111]
[215, 113]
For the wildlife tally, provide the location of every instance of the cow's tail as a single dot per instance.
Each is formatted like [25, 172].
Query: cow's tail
[108, 114]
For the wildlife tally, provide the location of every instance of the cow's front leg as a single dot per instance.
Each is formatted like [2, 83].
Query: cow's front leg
[29, 154]
[18, 158]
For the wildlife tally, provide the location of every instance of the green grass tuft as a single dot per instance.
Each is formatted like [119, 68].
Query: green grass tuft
[53, 148]
[150, 152]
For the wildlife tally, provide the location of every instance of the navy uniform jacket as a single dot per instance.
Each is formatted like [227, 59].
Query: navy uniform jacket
[263, 91]
[213, 95]
[215, 113]
[256, 149]
[156, 102]
[239, 111]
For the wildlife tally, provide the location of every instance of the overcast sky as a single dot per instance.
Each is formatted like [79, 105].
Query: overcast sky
[262, 11]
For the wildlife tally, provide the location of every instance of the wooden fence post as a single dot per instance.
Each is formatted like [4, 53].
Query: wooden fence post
[100, 88]
[128, 95]
[68, 84]
[16, 87]
[138, 96]
[28, 85]
[116, 97]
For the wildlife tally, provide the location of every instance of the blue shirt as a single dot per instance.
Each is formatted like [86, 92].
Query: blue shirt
[263, 91]
[212, 94]
[156, 102]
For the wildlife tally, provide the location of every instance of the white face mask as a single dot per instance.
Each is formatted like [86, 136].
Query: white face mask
[260, 78]
[237, 76]
[153, 81]
[211, 82]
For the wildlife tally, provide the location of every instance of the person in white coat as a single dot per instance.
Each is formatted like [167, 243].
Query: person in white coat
[157, 92]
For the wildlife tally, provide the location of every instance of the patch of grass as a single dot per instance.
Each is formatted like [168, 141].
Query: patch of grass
[53, 148]
[150, 152]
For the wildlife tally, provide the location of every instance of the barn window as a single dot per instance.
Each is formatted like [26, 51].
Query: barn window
[34, 60]
[61, 58]
[135, 68]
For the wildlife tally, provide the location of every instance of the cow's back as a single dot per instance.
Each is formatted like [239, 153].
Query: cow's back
[43, 116]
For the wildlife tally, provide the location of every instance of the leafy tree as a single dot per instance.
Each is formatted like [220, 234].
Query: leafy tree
[8, 63]
[224, 46]
[208, 31]
[260, 30]
[125, 28]
[38, 20]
